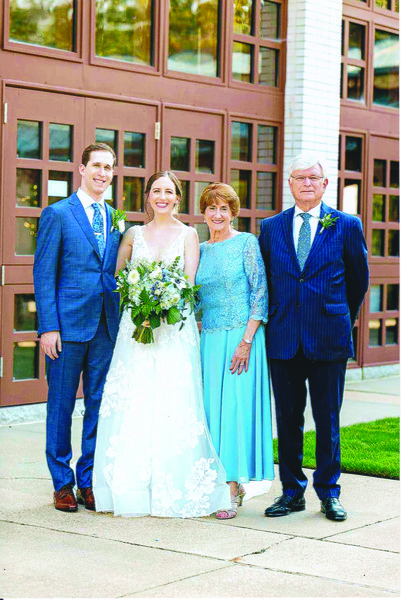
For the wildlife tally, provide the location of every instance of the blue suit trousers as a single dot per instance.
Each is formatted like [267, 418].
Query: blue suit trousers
[326, 381]
[92, 359]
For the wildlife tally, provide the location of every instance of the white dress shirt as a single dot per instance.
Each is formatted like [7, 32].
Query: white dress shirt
[87, 202]
[297, 223]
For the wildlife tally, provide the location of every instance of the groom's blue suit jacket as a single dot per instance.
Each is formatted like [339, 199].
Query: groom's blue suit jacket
[71, 281]
[315, 308]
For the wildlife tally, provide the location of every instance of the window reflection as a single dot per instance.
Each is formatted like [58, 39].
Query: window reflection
[356, 47]
[351, 196]
[379, 174]
[386, 69]
[60, 142]
[266, 191]
[242, 62]
[268, 66]
[243, 16]
[241, 182]
[124, 30]
[25, 312]
[241, 141]
[194, 37]
[375, 332]
[394, 209]
[179, 154]
[134, 149]
[59, 186]
[29, 187]
[378, 209]
[376, 298]
[355, 82]
[270, 20]
[199, 187]
[393, 248]
[133, 194]
[267, 143]
[393, 290]
[109, 137]
[204, 156]
[391, 331]
[377, 246]
[29, 139]
[50, 23]
[353, 153]
[25, 236]
[26, 360]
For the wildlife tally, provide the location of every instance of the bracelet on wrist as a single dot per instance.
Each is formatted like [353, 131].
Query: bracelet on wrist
[247, 340]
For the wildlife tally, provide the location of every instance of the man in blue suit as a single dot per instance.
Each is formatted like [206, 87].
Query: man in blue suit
[317, 271]
[78, 315]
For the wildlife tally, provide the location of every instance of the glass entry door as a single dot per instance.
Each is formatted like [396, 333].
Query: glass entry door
[43, 141]
[192, 148]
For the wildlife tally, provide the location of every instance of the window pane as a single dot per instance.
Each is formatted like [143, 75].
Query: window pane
[203, 231]
[375, 332]
[379, 175]
[393, 290]
[59, 186]
[383, 4]
[124, 30]
[267, 143]
[109, 137]
[394, 209]
[25, 312]
[29, 139]
[50, 23]
[377, 248]
[268, 66]
[26, 360]
[351, 196]
[179, 153]
[194, 37]
[134, 149]
[110, 195]
[386, 66]
[378, 209]
[60, 142]
[29, 187]
[241, 182]
[204, 156]
[353, 154]
[356, 47]
[199, 187]
[258, 223]
[25, 236]
[133, 194]
[242, 224]
[242, 62]
[391, 331]
[355, 82]
[376, 298]
[266, 191]
[184, 202]
[394, 174]
[243, 17]
[241, 141]
[270, 20]
[393, 242]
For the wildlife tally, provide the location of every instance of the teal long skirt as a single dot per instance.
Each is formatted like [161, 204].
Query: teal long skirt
[238, 407]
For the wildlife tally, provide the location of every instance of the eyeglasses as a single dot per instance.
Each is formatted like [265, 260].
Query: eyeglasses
[301, 179]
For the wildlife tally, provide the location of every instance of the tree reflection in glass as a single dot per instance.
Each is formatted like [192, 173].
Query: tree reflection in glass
[50, 24]
[194, 37]
[124, 30]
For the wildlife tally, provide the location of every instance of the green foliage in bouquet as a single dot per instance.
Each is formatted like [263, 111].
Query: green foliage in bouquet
[155, 292]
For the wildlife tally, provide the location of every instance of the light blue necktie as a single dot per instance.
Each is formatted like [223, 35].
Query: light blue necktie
[98, 228]
[304, 240]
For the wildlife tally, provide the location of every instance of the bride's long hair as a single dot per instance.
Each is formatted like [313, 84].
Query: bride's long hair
[177, 185]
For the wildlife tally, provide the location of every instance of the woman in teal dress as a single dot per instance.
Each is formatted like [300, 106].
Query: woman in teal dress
[233, 301]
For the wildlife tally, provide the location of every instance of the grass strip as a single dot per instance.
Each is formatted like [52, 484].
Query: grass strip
[366, 448]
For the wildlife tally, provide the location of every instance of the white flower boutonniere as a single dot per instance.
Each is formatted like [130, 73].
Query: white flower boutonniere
[327, 221]
[118, 218]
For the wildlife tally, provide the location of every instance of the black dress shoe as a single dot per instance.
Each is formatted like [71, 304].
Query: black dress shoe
[332, 508]
[285, 505]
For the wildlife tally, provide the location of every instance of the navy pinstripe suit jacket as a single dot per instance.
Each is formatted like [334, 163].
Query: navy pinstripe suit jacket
[318, 306]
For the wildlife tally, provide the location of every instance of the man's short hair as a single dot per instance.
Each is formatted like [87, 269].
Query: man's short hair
[303, 161]
[98, 146]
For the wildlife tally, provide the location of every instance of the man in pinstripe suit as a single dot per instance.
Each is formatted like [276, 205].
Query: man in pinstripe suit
[317, 271]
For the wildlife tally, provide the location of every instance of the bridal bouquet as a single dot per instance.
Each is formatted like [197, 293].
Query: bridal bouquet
[155, 292]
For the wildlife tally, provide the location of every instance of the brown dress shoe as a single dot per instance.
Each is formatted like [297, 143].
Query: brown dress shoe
[85, 496]
[65, 500]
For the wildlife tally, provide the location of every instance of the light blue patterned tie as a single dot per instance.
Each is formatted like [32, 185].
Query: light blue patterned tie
[98, 228]
[304, 240]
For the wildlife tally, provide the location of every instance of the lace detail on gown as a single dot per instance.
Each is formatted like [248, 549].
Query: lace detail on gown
[154, 454]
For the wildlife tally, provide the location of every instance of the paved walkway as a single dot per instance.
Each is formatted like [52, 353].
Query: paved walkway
[50, 554]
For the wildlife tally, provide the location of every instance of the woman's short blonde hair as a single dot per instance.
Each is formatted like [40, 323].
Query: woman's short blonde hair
[223, 192]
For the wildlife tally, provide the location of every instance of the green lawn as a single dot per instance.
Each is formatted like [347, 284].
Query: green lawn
[366, 448]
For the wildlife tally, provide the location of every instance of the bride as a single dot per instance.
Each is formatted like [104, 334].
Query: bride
[154, 454]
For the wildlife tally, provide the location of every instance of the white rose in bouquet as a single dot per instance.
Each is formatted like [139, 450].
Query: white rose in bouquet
[133, 277]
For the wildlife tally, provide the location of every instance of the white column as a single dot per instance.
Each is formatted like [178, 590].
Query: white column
[312, 93]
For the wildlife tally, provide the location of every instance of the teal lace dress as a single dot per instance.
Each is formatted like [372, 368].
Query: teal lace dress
[234, 290]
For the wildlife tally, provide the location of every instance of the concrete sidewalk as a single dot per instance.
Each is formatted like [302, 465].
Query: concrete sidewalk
[50, 554]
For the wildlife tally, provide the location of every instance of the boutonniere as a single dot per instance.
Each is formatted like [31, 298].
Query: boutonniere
[327, 221]
[117, 218]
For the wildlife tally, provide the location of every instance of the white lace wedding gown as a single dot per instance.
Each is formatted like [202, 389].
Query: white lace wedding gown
[154, 455]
